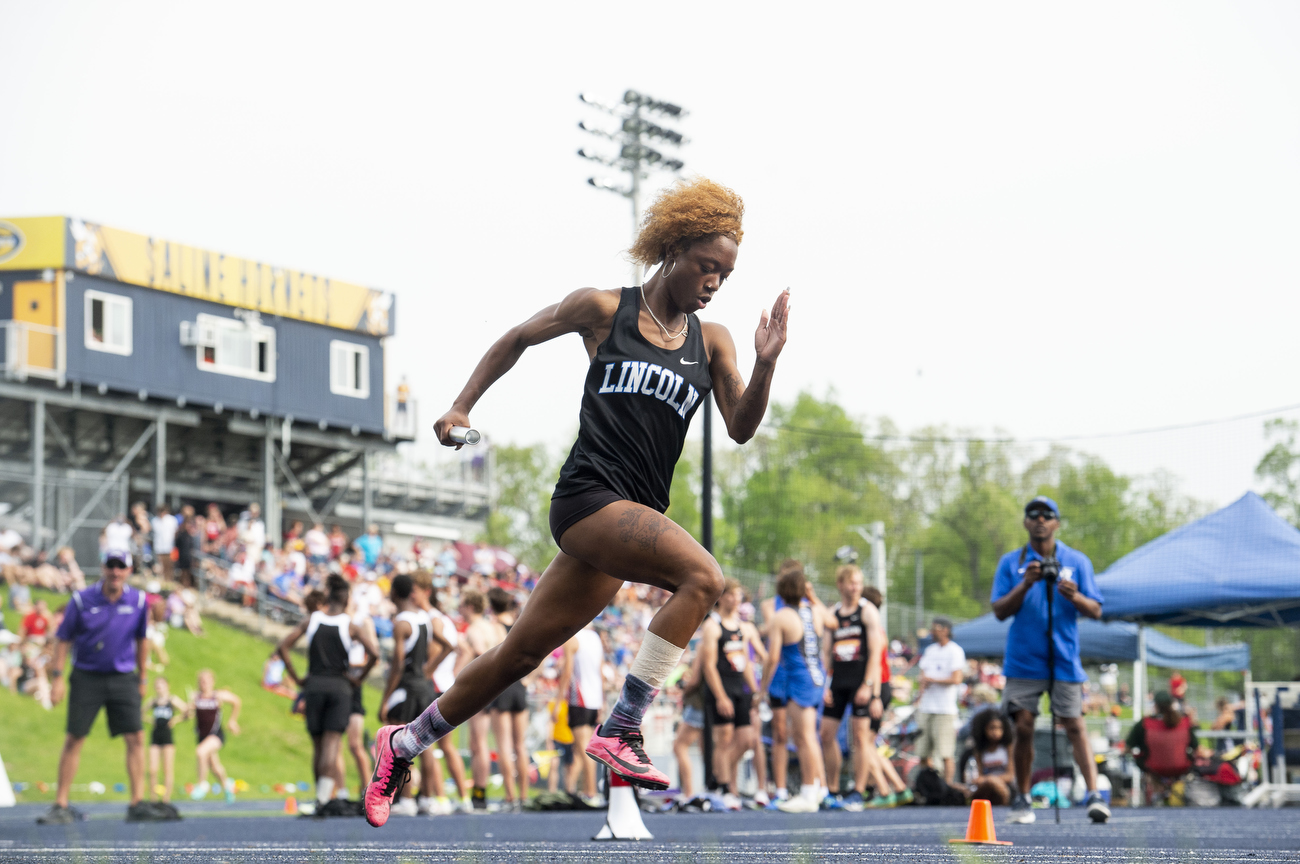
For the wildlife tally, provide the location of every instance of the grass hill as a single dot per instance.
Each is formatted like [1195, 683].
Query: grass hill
[273, 749]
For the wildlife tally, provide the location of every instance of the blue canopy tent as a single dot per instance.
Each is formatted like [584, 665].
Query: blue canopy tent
[1237, 567]
[1112, 642]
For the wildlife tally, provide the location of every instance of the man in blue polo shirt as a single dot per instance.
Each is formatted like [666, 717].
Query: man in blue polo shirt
[1044, 570]
[104, 625]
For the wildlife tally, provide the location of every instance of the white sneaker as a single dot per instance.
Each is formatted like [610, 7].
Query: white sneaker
[797, 804]
[761, 799]
[405, 807]
[731, 801]
[424, 806]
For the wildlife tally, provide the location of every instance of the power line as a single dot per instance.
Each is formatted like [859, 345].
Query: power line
[974, 439]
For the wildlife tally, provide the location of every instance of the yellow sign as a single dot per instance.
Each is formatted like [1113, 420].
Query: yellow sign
[32, 244]
[135, 259]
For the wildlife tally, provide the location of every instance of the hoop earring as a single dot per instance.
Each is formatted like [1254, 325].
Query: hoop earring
[669, 270]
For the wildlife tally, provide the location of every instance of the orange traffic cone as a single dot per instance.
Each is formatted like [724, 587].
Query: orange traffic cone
[980, 827]
[291, 806]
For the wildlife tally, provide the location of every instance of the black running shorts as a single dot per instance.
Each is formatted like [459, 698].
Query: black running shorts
[327, 704]
[357, 707]
[419, 696]
[161, 736]
[841, 699]
[579, 716]
[571, 509]
[740, 701]
[118, 693]
[514, 699]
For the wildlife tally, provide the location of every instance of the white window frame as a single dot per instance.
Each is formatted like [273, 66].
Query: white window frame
[108, 300]
[353, 351]
[258, 332]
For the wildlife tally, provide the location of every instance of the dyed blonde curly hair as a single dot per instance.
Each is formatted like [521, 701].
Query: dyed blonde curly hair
[684, 212]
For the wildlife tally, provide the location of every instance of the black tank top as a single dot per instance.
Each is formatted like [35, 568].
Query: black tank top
[849, 650]
[417, 645]
[328, 643]
[637, 404]
[163, 712]
[733, 657]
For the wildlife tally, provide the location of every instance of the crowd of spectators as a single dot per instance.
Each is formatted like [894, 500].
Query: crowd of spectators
[229, 555]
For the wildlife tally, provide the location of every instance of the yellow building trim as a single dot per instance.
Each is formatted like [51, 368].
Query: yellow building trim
[136, 259]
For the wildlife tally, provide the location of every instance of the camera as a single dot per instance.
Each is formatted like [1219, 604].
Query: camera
[1050, 569]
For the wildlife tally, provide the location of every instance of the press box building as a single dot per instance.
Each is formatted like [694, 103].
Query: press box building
[241, 380]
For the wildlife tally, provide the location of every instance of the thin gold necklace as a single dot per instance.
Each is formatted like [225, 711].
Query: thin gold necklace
[655, 318]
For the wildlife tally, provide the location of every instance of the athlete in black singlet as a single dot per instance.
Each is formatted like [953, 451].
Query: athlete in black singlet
[409, 688]
[854, 648]
[510, 715]
[327, 690]
[166, 709]
[653, 363]
[730, 685]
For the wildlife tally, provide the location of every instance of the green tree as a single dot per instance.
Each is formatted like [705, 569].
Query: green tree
[524, 478]
[809, 476]
[1280, 469]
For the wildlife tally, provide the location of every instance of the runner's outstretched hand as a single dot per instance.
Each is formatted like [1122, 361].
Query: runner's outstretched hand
[769, 338]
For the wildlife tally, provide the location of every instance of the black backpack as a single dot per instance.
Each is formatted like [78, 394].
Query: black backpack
[932, 790]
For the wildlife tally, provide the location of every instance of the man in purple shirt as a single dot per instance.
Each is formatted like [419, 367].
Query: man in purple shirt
[105, 627]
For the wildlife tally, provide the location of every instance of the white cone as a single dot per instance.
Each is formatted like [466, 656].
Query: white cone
[6, 788]
[623, 818]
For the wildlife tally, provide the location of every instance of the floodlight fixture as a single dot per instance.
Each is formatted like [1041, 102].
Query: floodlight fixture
[634, 157]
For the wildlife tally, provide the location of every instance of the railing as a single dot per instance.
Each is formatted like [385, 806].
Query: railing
[255, 596]
[32, 350]
[402, 419]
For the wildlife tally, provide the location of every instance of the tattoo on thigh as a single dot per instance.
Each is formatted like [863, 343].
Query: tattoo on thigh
[643, 528]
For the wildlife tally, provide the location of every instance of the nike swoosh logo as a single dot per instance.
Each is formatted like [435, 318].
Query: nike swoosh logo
[686, 362]
[634, 769]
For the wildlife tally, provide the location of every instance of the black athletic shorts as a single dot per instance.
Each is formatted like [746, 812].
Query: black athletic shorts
[357, 707]
[118, 693]
[327, 704]
[219, 734]
[419, 696]
[579, 716]
[842, 698]
[776, 702]
[161, 736]
[571, 509]
[740, 701]
[514, 699]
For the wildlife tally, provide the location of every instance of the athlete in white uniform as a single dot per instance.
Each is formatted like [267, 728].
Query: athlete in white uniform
[581, 679]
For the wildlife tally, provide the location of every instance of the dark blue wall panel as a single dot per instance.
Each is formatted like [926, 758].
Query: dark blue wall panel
[167, 369]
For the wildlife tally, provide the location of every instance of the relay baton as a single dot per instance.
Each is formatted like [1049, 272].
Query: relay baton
[464, 435]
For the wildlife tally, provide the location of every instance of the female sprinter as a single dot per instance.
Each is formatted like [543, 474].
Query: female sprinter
[652, 365]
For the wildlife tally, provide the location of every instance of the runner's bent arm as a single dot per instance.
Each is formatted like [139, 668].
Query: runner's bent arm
[709, 666]
[401, 630]
[285, 649]
[179, 707]
[742, 407]
[236, 704]
[871, 684]
[362, 635]
[587, 311]
[444, 649]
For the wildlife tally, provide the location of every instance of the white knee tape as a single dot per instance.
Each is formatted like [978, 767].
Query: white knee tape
[656, 660]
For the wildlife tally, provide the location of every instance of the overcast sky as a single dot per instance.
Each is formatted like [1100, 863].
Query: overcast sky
[1046, 219]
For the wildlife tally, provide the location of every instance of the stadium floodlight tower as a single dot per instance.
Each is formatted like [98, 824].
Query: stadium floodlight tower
[634, 156]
